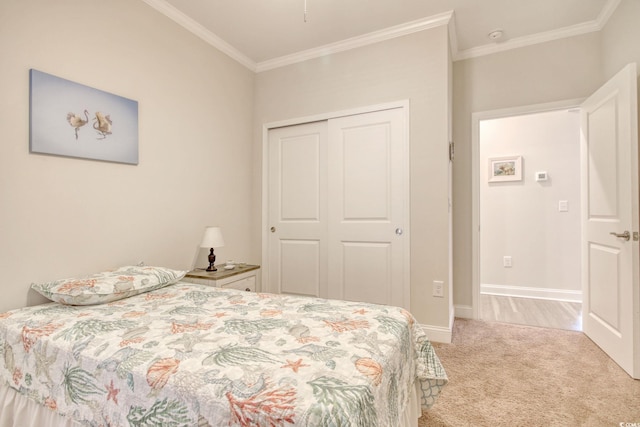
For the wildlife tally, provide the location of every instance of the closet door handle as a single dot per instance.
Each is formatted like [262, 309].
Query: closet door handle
[399, 231]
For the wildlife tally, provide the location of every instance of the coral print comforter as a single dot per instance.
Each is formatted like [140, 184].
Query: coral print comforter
[189, 354]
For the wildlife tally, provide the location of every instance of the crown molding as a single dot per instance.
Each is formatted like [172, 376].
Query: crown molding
[453, 37]
[200, 31]
[561, 33]
[519, 42]
[359, 41]
[446, 18]
[606, 12]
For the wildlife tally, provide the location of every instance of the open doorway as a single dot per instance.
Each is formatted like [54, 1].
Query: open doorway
[528, 186]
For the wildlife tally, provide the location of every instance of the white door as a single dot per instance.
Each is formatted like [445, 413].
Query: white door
[337, 205]
[297, 209]
[611, 293]
[366, 209]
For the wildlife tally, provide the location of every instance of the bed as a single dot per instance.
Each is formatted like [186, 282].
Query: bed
[184, 354]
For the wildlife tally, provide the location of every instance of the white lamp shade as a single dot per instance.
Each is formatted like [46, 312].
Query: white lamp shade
[212, 238]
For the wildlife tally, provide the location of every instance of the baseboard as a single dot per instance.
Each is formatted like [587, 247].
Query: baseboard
[437, 333]
[464, 311]
[529, 292]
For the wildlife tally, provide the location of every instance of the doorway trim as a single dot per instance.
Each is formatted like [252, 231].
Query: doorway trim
[266, 127]
[476, 118]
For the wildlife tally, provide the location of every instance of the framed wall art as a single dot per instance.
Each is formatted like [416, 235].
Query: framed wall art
[72, 120]
[503, 169]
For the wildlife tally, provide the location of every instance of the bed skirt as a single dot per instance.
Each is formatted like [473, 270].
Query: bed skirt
[17, 410]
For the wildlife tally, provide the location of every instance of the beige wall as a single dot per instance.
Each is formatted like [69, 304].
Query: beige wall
[620, 38]
[61, 217]
[521, 219]
[554, 71]
[560, 70]
[414, 67]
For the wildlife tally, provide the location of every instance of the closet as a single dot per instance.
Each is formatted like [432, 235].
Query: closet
[337, 208]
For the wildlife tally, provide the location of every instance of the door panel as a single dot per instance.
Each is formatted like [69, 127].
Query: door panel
[367, 192]
[611, 295]
[367, 272]
[297, 209]
[603, 194]
[366, 174]
[603, 268]
[300, 178]
[300, 267]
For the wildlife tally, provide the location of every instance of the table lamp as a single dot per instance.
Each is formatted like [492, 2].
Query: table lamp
[212, 239]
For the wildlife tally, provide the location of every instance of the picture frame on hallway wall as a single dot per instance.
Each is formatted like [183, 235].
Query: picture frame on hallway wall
[73, 120]
[503, 169]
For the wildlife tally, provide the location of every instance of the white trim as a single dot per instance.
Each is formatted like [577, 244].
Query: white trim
[358, 41]
[606, 12]
[560, 33]
[336, 114]
[464, 311]
[476, 118]
[445, 18]
[530, 292]
[438, 333]
[518, 42]
[405, 105]
[199, 30]
[453, 37]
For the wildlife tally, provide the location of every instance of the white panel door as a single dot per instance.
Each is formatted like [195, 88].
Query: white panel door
[297, 209]
[611, 293]
[368, 189]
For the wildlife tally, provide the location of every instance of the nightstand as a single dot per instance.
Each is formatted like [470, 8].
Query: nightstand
[242, 277]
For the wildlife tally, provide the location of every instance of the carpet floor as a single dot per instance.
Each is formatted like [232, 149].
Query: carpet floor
[511, 375]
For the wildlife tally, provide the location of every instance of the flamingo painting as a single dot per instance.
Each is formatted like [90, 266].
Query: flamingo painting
[76, 120]
[102, 124]
[113, 118]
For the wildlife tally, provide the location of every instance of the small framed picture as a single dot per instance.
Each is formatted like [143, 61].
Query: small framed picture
[503, 169]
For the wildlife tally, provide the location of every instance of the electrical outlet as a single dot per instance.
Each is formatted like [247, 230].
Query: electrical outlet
[506, 262]
[438, 288]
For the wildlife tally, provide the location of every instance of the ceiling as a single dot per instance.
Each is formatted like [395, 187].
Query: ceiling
[265, 34]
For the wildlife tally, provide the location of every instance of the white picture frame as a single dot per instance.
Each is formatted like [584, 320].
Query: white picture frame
[502, 169]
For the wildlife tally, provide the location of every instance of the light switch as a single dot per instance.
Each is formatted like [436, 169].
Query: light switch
[507, 261]
[438, 288]
[563, 206]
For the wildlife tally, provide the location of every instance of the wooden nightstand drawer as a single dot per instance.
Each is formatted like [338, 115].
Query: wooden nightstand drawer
[247, 284]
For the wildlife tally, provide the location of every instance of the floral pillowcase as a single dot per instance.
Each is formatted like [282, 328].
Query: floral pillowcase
[108, 286]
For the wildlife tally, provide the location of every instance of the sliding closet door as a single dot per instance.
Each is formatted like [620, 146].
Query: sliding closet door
[297, 209]
[338, 197]
[366, 210]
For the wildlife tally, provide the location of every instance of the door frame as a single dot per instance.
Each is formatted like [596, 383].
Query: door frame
[266, 127]
[476, 118]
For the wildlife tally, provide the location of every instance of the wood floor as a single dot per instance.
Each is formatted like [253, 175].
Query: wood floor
[532, 312]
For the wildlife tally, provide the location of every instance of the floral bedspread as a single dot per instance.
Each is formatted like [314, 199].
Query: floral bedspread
[188, 354]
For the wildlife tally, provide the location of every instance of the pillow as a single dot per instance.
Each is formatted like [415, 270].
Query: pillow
[108, 286]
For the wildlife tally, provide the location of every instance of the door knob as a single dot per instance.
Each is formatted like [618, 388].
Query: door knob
[399, 231]
[273, 229]
[626, 235]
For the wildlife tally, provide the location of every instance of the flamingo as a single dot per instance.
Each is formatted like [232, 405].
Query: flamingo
[76, 121]
[102, 124]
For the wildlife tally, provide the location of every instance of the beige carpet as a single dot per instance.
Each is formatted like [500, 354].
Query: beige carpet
[512, 375]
